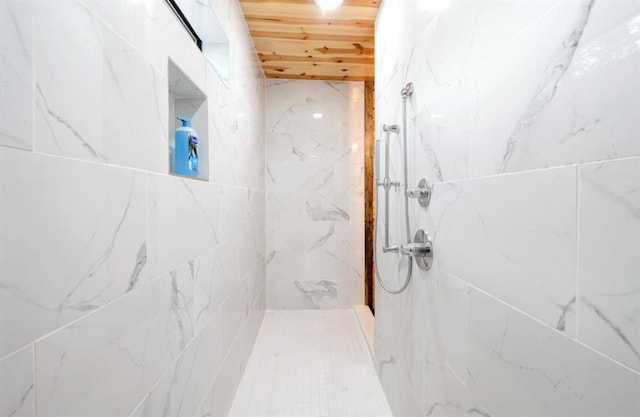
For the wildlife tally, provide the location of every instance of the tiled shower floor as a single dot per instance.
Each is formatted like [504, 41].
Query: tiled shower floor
[310, 363]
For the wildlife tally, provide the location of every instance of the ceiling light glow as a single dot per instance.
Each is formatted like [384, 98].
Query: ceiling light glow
[317, 115]
[329, 4]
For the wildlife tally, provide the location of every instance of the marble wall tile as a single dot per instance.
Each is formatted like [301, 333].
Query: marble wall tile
[75, 239]
[314, 265]
[575, 92]
[513, 236]
[100, 267]
[609, 288]
[324, 294]
[220, 397]
[314, 190]
[182, 388]
[439, 148]
[16, 74]
[520, 367]
[215, 277]
[129, 344]
[76, 57]
[183, 220]
[310, 206]
[494, 96]
[402, 400]
[16, 384]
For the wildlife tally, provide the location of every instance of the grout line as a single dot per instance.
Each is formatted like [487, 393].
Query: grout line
[534, 170]
[131, 168]
[35, 386]
[578, 219]
[546, 326]
[127, 294]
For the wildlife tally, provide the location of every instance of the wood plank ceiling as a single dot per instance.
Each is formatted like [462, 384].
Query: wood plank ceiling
[295, 39]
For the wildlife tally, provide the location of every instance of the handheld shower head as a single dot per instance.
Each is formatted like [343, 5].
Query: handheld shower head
[407, 90]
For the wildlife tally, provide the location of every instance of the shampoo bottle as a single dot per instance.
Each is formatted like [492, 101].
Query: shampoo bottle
[186, 149]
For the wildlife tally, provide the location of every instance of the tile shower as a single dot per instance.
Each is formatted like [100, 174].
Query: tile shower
[126, 291]
[525, 118]
[123, 290]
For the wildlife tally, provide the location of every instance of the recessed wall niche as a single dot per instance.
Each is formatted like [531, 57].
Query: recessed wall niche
[188, 101]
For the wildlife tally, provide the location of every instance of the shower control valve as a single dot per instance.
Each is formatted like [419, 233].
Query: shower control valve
[422, 193]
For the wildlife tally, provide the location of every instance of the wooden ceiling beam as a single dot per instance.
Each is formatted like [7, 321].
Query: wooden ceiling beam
[295, 39]
[309, 59]
[312, 37]
[347, 3]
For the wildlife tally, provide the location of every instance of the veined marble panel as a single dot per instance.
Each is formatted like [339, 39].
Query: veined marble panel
[311, 206]
[314, 265]
[323, 294]
[183, 387]
[16, 384]
[518, 366]
[129, 344]
[513, 236]
[74, 239]
[438, 138]
[393, 377]
[215, 277]
[96, 97]
[574, 87]
[219, 399]
[183, 222]
[609, 285]
[16, 74]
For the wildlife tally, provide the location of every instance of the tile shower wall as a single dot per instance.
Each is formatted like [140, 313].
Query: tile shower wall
[525, 118]
[123, 290]
[315, 191]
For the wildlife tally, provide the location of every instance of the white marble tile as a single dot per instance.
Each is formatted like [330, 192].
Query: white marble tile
[185, 384]
[16, 384]
[215, 278]
[310, 206]
[315, 265]
[609, 288]
[438, 138]
[513, 236]
[134, 21]
[75, 239]
[220, 397]
[328, 293]
[463, 34]
[76, 57]
[129, 344]
[310, 363]
[16, 74]
[234, 212]
[518, 366]
[394, 381]
[573, 90]
[183, 221]
[314, 186]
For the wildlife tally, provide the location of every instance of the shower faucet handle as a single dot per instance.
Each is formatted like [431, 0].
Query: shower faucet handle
[421, 250]
[416, 250]
[392, 248]
[422, 193]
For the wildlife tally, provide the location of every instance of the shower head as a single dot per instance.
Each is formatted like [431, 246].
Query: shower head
[407, 90]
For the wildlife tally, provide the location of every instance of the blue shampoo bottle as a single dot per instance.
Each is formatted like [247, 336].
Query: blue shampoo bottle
[186, 149]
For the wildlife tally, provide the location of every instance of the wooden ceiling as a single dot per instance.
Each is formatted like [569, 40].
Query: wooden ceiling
[295, 39]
